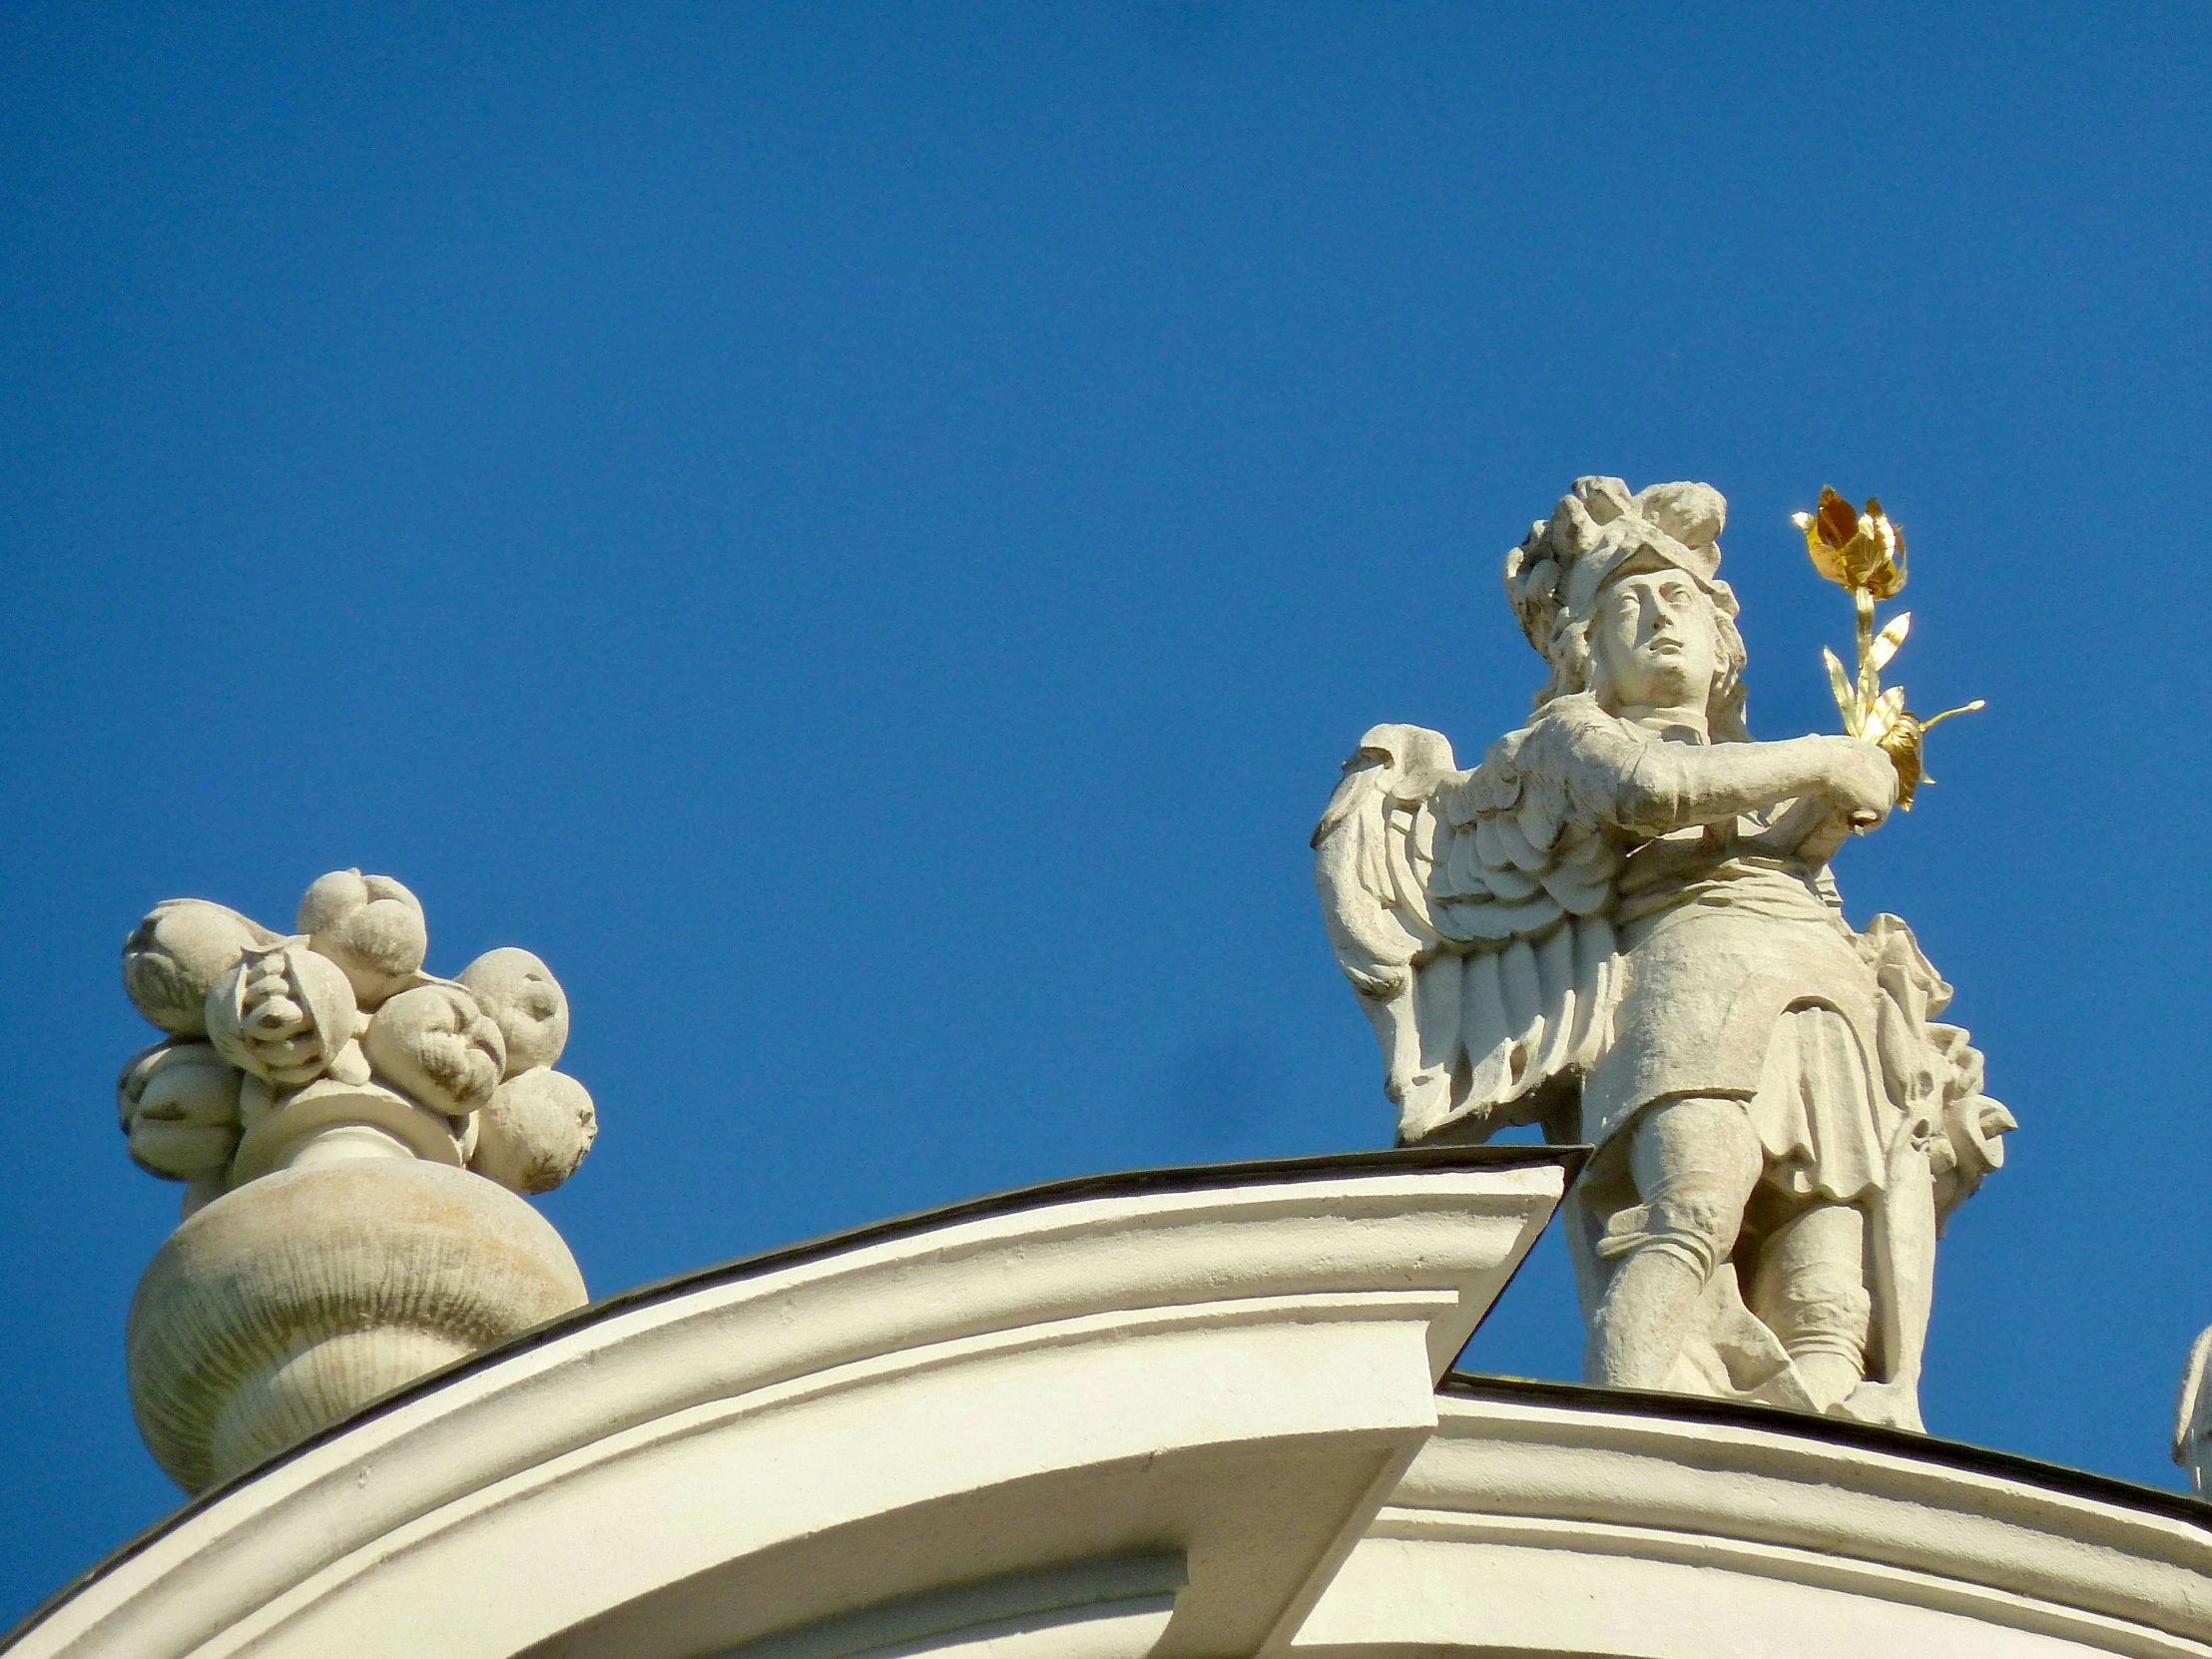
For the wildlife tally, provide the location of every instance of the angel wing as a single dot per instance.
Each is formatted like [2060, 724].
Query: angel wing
[1469, 909]
[2190, 1411]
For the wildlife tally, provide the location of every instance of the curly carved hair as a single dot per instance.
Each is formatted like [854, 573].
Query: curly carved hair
[1684, 518]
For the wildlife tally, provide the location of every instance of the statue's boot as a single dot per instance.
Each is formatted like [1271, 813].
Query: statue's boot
[1810, 1290]
[1639, 1327]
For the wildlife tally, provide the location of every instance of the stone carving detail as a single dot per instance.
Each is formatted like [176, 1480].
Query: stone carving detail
[351, 1131]
[1622, 927]
[2193, 1416]
[333, 1043]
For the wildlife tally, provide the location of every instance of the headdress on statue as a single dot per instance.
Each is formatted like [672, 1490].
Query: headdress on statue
[1599, 531]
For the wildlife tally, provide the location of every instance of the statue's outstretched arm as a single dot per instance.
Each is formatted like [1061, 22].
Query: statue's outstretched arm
[1673, 786]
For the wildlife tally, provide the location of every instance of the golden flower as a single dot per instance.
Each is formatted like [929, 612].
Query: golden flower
[1862, 552]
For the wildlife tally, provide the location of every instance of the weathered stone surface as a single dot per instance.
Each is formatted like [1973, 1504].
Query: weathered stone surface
[330, 1064]
[1622, 927]
[370, 925]
[341, 1011]
[293, 1300]
[521, 994]
[535, 1131]
[174, 957]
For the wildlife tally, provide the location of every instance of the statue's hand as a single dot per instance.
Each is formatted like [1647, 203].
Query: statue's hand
[1860, 779]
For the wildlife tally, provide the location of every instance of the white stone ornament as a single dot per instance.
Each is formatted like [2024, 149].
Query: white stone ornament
[352, 1132]
[332, 1121]
[176, 956]
[370, 925]
[436, 1045]
[295, 1300]
[1622, 927]
[536, 1130]
[520, 993]
[281, 1013]
[179, 1103]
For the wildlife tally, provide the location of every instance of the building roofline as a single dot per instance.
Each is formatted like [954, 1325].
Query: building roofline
[1927, 1450]
[1867, 1436]
[1067, 1190]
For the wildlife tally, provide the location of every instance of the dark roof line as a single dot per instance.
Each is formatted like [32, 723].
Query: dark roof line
[1777, 1419]
[1069, 1189]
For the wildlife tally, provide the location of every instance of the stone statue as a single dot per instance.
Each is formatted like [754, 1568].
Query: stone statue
[350, 1130]
[1621, 927]
[2193, 1416]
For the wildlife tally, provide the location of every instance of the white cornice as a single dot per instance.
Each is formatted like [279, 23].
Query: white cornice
[1234, 1364]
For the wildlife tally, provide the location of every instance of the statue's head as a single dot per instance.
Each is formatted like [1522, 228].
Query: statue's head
[1621, 595]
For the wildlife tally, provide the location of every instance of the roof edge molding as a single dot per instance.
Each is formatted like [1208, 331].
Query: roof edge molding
[1117, 1609]
[1570, 1521]
[1126, 1367]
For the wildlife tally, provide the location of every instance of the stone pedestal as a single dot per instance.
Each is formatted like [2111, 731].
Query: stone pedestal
[288, 1302]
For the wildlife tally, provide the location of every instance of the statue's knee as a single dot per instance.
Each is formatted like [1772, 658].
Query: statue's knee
[1700, 1223]
[1695, 1225]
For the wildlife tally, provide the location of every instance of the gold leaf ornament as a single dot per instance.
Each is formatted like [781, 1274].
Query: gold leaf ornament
[1863, 553]
[1838, 684]
[1860, 551]
[1901, 742]
[1891, 636]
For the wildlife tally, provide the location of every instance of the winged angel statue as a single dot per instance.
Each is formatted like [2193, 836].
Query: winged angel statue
[1622, 927]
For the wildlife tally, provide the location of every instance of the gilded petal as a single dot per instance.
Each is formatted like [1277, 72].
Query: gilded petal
[1822, 555]
[1837, 523]
[1887, 577]
[1839, 682]
[1901, 742]
[1891, 636]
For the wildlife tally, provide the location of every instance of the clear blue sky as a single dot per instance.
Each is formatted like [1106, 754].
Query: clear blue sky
[862, 534]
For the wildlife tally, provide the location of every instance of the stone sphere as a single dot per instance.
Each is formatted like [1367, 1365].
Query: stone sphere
[178, 1104]
[173, 959]
[281, 1013]
[370, 925]
[437, 1046]
[535, 1131]
[521, 994]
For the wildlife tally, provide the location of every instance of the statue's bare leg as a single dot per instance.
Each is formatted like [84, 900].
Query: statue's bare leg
[1811, 1292]
[1695, 1163]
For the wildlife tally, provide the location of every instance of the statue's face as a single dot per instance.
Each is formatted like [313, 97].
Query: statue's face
[1653, 642]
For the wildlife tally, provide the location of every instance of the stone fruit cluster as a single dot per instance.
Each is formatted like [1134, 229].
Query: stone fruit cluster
[332, 1044]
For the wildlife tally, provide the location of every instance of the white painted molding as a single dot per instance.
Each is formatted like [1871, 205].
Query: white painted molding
[1578, 1529]
[1172, 1414]
[1117, 1609]
[1236, 1363]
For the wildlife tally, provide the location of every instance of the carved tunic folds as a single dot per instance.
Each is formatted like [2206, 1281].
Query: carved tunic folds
[1601, 919]
[1547, 942]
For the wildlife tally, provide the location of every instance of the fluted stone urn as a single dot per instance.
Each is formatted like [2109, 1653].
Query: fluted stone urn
[304, 1295]
[356, 1136]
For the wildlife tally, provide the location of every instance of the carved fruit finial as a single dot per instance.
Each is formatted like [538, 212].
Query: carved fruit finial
[370, 925]
[520, 993]
[176, 956]
[281, 1013]
[436, 1045]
